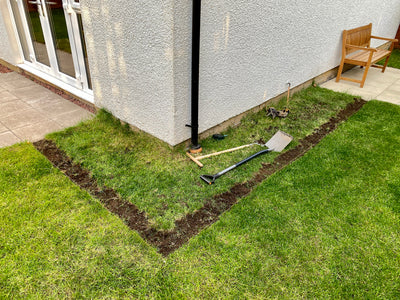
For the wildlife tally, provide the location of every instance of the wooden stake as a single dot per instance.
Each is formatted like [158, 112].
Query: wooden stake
[195, 160]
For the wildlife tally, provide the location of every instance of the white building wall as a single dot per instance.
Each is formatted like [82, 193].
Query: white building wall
[8, 43]
[140, 53]
[250, 49]
[131, 58]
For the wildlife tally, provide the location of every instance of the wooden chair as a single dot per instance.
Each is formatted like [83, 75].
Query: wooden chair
[356, 50]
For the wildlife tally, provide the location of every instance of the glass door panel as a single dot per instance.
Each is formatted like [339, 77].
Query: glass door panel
[34, 13]
[59, 30]
[52, 39]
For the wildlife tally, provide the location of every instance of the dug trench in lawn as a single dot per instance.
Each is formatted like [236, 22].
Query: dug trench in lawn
[190, 225]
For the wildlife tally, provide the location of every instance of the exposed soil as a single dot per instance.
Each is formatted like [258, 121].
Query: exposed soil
[168, 241]
[4, 69]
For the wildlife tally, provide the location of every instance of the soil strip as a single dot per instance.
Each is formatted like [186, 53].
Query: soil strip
[168, 241]
[4, 69]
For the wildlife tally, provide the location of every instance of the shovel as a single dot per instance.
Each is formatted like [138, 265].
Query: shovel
[277, 143]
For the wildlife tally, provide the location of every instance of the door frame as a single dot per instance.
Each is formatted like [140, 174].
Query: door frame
[80, 85]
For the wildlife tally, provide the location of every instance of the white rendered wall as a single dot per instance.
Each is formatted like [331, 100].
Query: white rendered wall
[131, 58]
[140, 54]
[8, 43]
[250, 49]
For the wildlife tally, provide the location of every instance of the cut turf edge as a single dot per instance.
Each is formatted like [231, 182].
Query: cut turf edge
[190, 225]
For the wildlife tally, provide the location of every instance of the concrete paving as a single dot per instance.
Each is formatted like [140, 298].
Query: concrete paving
[29, 111]
[378, 85]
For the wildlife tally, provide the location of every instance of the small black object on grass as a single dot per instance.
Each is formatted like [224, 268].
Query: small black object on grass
[218, 136]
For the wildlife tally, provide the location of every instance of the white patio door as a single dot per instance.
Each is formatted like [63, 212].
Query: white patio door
[52, 39]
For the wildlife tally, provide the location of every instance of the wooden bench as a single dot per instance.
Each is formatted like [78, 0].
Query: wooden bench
[356, 50]
[397, 45]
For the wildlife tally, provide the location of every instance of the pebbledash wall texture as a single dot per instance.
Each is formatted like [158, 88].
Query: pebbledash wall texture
[140, 54]
[8, 43]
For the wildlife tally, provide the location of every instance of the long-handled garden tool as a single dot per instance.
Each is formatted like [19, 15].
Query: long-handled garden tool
[277, 143]
[198, 158]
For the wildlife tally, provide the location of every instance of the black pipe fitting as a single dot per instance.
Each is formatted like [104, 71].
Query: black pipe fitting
[196, 18]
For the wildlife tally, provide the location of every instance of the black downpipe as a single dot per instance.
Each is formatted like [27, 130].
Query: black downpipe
[196, 18]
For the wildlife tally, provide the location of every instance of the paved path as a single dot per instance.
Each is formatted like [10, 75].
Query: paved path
[29, 111]
[378, 85]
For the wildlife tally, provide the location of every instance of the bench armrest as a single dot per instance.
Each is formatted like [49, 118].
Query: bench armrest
[360, 48]
[385, 39]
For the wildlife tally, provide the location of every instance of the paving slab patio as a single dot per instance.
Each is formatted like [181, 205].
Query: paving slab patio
[29, 111]
[378, 85]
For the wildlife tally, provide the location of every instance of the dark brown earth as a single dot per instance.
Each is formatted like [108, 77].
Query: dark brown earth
[168, 241]
[4, 69]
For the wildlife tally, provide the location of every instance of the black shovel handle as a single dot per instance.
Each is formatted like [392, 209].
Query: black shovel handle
[210, 179]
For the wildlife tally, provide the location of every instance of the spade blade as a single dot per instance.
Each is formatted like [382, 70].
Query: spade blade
[279, 141]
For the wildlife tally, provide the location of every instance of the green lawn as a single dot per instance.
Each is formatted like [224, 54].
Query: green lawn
[326, 226]
[394, 60]
[162, 181]
[56, 241]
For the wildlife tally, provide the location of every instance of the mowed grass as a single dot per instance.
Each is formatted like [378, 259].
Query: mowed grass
[394, 60]
[162, 181]
[58, 242]
[326, 226]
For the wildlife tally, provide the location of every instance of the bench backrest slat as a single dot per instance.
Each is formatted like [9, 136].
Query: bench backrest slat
[360, 36]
